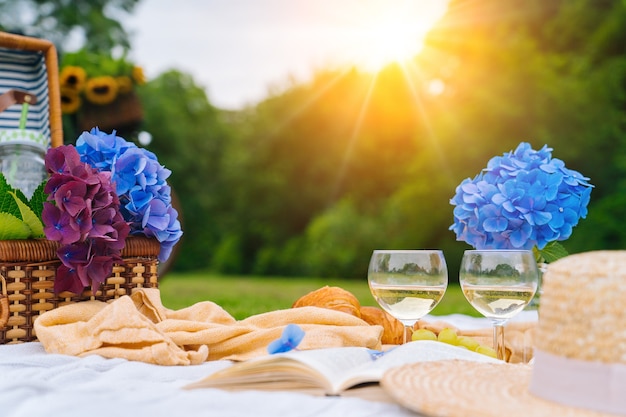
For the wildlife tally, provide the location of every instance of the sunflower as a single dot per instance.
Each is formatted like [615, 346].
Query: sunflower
[101, 90]
[70, 100]
[124, 84]
[73, 77]
[138, 75]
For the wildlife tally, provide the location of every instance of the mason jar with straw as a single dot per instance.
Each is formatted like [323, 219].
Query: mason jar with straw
[22, 150]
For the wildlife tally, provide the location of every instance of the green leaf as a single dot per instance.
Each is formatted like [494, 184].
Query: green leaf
[29, 217]
[552, 252]
[21, 218]
[7, 202]
[37, 200]
[19, 194]
[13, 228]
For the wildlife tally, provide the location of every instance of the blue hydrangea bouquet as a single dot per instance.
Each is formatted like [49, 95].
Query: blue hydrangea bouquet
[524, 199]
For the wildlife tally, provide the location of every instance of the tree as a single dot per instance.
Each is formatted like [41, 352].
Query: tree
[189, 136]
[344, 135]
[96, 22]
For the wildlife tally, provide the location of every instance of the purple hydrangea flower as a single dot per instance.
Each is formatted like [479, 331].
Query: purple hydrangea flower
[82, 214]
[57, 225]
[523, 199]
[67, 279]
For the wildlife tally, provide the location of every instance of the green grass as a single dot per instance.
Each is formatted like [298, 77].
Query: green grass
[243, 296]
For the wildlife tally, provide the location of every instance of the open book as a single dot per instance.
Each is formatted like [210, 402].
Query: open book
[329, 371]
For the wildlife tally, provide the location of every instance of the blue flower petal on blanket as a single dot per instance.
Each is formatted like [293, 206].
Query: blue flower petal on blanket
[377, 354]
[289, 340]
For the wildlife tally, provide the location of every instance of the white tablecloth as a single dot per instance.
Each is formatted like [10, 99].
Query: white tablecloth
[33, 382]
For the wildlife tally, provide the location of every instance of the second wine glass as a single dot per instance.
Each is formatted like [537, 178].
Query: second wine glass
[499, 284]
[407, 284]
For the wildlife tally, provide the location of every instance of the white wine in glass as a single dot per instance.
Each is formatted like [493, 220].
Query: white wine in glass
[407, 284]
[499, 284]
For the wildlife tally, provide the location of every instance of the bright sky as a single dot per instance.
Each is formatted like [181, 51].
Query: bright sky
[238, 49]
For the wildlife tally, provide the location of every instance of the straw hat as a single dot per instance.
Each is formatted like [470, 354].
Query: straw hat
[580, 355]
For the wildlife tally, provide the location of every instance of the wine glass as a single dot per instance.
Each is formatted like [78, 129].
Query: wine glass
[499, 284]
[407, 284]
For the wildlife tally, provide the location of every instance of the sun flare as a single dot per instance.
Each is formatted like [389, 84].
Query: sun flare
[386, 31]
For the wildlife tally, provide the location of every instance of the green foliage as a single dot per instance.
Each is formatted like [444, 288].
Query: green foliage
[550, 253]
[98, 64]
[602, 228]
[13, 228]
[18, 216]
[29, 217]
[189, 136]
[227, 257]
[302, 152]
[338, 242]
[56, 20]
[8, 203]
[37, 200]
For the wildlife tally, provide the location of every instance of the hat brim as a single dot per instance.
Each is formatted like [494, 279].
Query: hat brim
[457, 388]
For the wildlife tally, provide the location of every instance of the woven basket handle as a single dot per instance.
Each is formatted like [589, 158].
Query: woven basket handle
[4, 304]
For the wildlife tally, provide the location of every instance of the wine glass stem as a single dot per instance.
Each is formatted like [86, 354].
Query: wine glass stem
[498, 340]
[405, 337]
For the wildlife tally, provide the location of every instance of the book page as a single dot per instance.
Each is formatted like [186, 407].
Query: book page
[420, 351]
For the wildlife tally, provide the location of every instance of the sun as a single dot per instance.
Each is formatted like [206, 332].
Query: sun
[386, 31]
[392, 39]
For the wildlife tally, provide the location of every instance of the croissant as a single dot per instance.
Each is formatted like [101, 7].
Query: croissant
[393, 328]
[334, 298]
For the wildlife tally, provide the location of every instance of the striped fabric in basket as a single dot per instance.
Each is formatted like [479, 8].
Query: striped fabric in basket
[26, 70]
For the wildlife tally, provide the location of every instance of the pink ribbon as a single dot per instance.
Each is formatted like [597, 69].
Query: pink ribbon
[591, 385]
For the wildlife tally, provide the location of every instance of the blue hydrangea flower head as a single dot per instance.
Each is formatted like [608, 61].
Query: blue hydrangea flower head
[140, 183]
[100, 149]
[523, 199]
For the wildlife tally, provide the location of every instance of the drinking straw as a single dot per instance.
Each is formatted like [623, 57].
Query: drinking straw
[24, 114]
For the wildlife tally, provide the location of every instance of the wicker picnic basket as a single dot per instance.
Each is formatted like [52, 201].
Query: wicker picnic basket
[27, 271]
[28, 267]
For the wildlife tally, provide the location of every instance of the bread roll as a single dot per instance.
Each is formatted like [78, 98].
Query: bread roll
[333, 298]
[393, 328]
